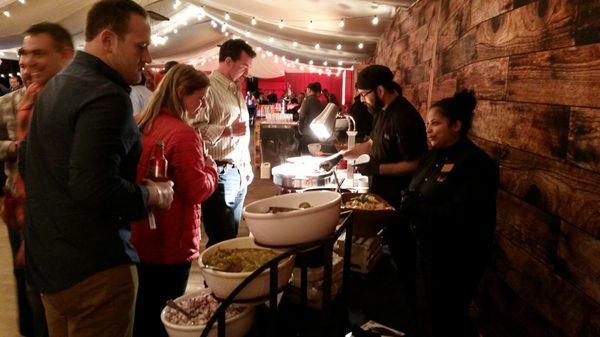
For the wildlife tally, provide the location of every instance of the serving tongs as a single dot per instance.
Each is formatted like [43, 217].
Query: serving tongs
[172, 304]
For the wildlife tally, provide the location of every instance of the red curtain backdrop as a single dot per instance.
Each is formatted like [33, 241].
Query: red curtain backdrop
[277, 84]
[299, 81]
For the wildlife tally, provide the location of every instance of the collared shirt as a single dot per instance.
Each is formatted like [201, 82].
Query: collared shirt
[224, 105]
[9, 104]
[80, 164]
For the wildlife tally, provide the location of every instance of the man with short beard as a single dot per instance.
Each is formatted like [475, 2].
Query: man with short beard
[397, 143]
[79, 163]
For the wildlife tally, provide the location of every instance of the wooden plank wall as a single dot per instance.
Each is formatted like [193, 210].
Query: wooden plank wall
[535, 66]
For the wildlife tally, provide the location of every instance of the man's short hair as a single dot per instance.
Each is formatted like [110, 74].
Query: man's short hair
[111, 14]
[62, 38]
[314, 87]
[233, 48]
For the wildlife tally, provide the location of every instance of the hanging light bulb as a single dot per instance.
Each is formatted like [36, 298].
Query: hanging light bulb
[339, 46]
[311, 25]
[317, 46]
[360, 45]
[22, 2]
[223, 27]
[296, 60]
[247, 33]
[227, 16]
[295, 44]
[271, 39]
[176, 4]
[320, 71]
[7, 14]
[341, 24]
[310, 62]
[340, 63]
[213, 23]
[253, 22]
[175, 31]
[325, 63]
[263, 55]
[226, 33]
[375, 20]
[276, 60]
[280, 25]
[258, 48]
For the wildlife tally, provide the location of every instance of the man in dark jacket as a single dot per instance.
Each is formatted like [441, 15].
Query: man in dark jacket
[79, 165]
[311, 107]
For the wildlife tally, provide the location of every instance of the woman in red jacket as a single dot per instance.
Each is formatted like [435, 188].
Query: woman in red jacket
[166, 253]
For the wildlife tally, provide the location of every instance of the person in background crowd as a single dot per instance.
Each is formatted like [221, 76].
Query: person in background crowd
[251, 104]
[334, 100]
[224, 127]
[8, 155]
[47, 49]
[311, 107]
[323, 96]
[15, 83]
[150, 82]
[398, 141]
[140, 95]
[451, 205]
[263, 99]
[166, 253]
[301, 96]
[159, 75]
[272, 97]
[293, 108]
[79, 164]
[364, 120]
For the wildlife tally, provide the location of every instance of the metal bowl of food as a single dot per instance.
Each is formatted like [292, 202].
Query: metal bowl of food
[300, 173]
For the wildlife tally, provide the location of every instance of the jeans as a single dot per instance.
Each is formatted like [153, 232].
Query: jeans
[158, 284]
[222, 211]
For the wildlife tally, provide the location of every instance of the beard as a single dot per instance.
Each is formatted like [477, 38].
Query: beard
[376, 107]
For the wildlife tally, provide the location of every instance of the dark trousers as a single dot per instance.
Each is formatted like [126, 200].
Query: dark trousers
[158, 283]
[222, 211]
[32, 317]
[403, 251]
[450, 286]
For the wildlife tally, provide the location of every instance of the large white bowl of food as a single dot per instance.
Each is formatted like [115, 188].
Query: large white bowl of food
[202, 305]
[227, 264]
[295, 218]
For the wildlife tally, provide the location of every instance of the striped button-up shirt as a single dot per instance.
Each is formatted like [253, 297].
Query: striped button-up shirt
[225, 104]
[9, 104]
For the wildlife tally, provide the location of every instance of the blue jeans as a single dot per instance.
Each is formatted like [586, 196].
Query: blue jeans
[222, 211]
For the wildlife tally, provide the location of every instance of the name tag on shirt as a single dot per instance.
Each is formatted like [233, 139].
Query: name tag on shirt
[444, 172]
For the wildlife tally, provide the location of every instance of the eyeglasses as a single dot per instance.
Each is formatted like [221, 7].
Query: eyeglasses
[366, 93]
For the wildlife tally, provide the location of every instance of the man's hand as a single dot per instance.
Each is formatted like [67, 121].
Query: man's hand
[160, 194]
[237, 129]
[369, 168]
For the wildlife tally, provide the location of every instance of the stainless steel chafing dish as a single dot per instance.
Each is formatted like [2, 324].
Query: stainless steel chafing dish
[300, 173]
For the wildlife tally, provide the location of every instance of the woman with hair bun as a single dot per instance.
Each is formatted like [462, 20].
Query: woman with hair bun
[451, 205]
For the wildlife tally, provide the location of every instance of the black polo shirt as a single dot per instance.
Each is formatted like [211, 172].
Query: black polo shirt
[398, 135]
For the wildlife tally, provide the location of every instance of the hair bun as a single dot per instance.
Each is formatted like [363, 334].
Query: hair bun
[465, 100]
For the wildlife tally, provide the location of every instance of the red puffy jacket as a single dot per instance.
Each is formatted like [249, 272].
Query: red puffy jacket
[176, 238]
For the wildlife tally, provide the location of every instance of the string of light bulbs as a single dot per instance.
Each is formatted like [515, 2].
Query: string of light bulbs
[5, 12]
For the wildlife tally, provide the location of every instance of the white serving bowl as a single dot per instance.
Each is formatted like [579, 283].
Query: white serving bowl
[223, 283]
[294, 227]
[236, 326]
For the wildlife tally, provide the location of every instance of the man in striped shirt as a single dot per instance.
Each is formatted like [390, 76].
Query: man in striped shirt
[223, 125]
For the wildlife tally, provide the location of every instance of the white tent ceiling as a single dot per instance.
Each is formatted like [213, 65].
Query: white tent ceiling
[197, 40]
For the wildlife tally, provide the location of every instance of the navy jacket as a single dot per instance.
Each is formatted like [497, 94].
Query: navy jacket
[79, 166]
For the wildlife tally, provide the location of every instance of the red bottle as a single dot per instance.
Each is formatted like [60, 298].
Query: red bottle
[157, 170]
